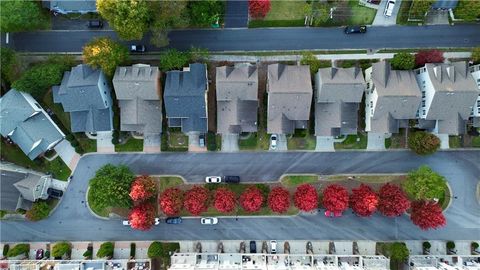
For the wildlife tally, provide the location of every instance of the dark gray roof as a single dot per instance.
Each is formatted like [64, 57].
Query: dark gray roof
[237, 98]
[85, 94]
[185, 97]
[71, 6]
[27, 124]
[334, 119]
[137, 89]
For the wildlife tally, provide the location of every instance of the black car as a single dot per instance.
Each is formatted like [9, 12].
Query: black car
[137, 48]
[253, 247]
[357, 29]
[231, 179]
[55, 193]
[173, 220]
[95, 24]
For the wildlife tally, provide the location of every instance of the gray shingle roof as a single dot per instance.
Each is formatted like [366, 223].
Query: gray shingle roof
[289, 98]
[27, 124]
[137, 89]
[71, 6]
[85, 94]
[237, 98]
[338, 94]
[398, 97]
[185, 97]
[455, 92]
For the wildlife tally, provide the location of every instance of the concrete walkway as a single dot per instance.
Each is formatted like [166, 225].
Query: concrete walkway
[67, 153]
[104, 142]
[382, 20]
[444, 141]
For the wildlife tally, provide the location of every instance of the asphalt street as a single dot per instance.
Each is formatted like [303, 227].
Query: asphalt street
[73, 221]
[377, 37]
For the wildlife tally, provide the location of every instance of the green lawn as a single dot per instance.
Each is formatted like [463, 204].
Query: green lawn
[257, 141]
[103, 212]
[282, 14]
[295, 180]
[476, 141]
[177, 140]
[351, 142]
[165, 182]
[301, 143]
[455, 141]
[15, 155]
[360, 14]
[402, 17]
[131, 145]
[368, 179]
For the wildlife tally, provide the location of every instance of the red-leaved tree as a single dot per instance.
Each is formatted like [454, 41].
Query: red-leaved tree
[142, 188]
[335, 198]
[258, 8]
[428, 56]
[363, 200]
[427, 215]
[393, 201]
[306, 197]
[196, 200]
[251, 200]
[142, 216]
[171, 201]
[279, 200]
[224, 200]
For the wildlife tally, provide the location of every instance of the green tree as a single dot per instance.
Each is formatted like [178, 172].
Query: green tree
[308, 58]
[18, 249]
[398, 252]
[39, 210]
[105, 250]
[321, 14]
[198, 54]
[173, 59]
[105, 53]
[156, 250]
[111, 187]
[424, 184]
[38, 79]
[129, 18]
[423, 143]
[168, 14]
[206, 12]
[403, 61]
[467, 10]
[22, 15]
[419, 8]
[9, 64]
[60, 249]
[475, 55]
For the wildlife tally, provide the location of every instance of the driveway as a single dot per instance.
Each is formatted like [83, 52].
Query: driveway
[281, 143]
[444, 141]
[104, 142]
[193, 142]
[67, 153]
[376, 141]
[151, 142]
[73, 221]
[381, 20]
[230, 143]
[236, 14]
[325, 144]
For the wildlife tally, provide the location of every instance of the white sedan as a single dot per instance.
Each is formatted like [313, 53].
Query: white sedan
[209, 221]
[127, 222]
[213, 179]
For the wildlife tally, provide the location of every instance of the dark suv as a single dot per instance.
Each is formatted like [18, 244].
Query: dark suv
[253, 247]
[95, 24]
[357, 29]
[54, 193]
[231, 179]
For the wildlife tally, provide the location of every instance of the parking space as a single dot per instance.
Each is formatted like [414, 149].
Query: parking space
[230, 143]
[194, 144]
[281, 143]
[376, 141]
[151, 143]
[382, 20]
[104, 142]
[325, 144]
[67, 153]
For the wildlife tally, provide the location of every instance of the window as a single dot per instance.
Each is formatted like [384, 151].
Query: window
[423, 94]
[423, 103]
[424, 112]
[106, 104]
[371, 103]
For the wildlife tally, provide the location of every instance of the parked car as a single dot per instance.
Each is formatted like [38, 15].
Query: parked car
[126, 223]
[389, 8]
[209, 221]
[357, 29]
[213, 179]
[273, 246]
[173, 220]
[39, 254]
[54, 193]
[157, 221]
[95, 24]
[137, 48]
[201, 140]
[273, 141]
[253, 247]
[231, 179]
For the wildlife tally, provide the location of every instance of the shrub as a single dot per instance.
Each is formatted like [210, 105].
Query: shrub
[308, 58]
[18, 249]
[335, 198]
[279, 200]
[156, 250]
[38, 79]
[69, 137]
[428, 56]
[399, 252]
[197, 200]
[251, 200]
[9, 64]
[476, 55]
[198, 54]
[211, 141]
[88, 254]
[403, 61]
[393, 201]
[79, 149]
[143, 188]
[363, 201]
[171, 201]
[224, 200]
[258, 8]
[6, 247]
[142, 217]
[133, 248]
[427, 215]
[306, 197]
[450, 245]
[426, 245]
[105, 250]
[74, 143]
[474, 246]
[39, 210]
[173, 59]
[60, 249]
[47, 254]
[423, 143]
[424, 184]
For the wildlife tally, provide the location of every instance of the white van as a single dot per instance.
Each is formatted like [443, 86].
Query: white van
[389, 8]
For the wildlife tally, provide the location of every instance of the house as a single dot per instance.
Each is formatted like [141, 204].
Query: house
[185, 98]
[338, 93]
[290, 93]
[137, 89]
[25, 122]
[237, 99]
[448, 95]
[392, 98]
[85, 94]
[475, 72]
[70, 6]
[20, 187]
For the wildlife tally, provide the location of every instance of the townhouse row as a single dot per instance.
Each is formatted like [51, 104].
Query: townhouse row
[442, 98]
